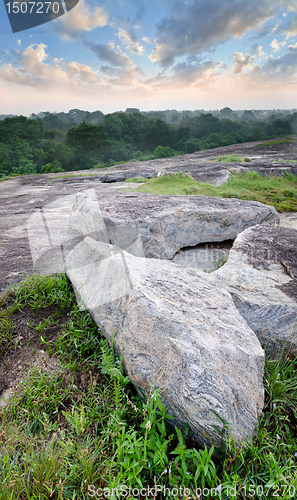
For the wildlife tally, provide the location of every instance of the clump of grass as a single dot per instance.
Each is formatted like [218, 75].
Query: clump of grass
[137, 179]
[6, 327]
[274, 142]
[231, 158]
[280, 192]
[39, 292]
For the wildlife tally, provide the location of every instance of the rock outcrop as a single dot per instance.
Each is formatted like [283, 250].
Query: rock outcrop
[261, 275]
[177, 333]
[126, 174]
[165, 224]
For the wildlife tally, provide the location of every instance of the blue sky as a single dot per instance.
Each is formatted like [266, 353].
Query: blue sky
[154, 54]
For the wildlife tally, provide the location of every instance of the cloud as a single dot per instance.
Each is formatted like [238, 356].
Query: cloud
[293, 46]
[31, 61]
[79, 21]
[108, 54]
[276, 46]
[121, 70]
[257, 50]
[273, 73]
[241, 62]
[193, 73]
[197, 25]
[80, 71]
[130, 41]
[33, 68]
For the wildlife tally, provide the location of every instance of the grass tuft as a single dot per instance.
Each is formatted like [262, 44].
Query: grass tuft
[274, 142]
[231, 158]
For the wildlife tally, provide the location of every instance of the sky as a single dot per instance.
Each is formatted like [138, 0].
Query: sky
[153, 55]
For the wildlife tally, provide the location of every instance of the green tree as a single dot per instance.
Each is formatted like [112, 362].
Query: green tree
[53, 167]
[87, 137]
[159, 133]
[161, 152]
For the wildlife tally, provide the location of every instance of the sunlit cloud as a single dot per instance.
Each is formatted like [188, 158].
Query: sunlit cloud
[241, 62]
[131, 42]
[80, 20]
[276, 46]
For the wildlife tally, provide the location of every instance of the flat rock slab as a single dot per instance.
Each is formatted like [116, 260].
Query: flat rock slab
[213, 173]
[165, 224]
[125, 174]
[176, 333]
[261, 275]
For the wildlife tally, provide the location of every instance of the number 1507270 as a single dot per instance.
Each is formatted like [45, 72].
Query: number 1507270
[32, 7]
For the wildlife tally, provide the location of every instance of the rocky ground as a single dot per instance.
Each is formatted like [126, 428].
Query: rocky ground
[29, 203]
[24, 196]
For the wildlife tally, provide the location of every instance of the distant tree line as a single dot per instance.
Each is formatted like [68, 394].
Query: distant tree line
[77, 140]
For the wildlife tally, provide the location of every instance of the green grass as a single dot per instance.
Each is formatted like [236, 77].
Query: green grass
[231, 158]
[280, 192]
[274, 142]
[137, 179]
[82, 427]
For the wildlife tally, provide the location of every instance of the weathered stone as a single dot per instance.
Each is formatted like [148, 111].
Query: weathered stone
[122, 176]
[261, 275]
[86, 217]
[177, 333]
[213, 173]
[168, 223]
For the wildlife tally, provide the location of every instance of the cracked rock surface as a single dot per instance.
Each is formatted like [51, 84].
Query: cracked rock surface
[176, 332]
[261, 275]
[165, 224]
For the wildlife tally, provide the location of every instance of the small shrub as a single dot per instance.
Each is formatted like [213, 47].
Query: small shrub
[230, 158]
[163, 152]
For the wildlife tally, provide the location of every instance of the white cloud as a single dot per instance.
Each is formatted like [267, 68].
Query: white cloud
[241, 62]
[195, 26]
[80, 71]
[34, 68]
[293, 46]
[186, 75]
[79, 21]
[146, 39]
[131, 42]
[276, 46]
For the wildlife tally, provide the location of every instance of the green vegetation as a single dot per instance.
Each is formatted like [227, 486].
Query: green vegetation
[136, 179]
[80, 140]
[281, 192]
[274, 142]
[231, 158]
[161, 152]
[69, 431]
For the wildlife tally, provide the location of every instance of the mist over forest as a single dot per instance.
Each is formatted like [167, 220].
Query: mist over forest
[56, 142]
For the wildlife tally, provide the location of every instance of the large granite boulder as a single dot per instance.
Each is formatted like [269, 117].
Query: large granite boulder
[177, 333]
[165, 224]
[261, 275]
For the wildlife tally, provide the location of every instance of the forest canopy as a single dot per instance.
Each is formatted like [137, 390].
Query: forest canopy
[58, 142]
